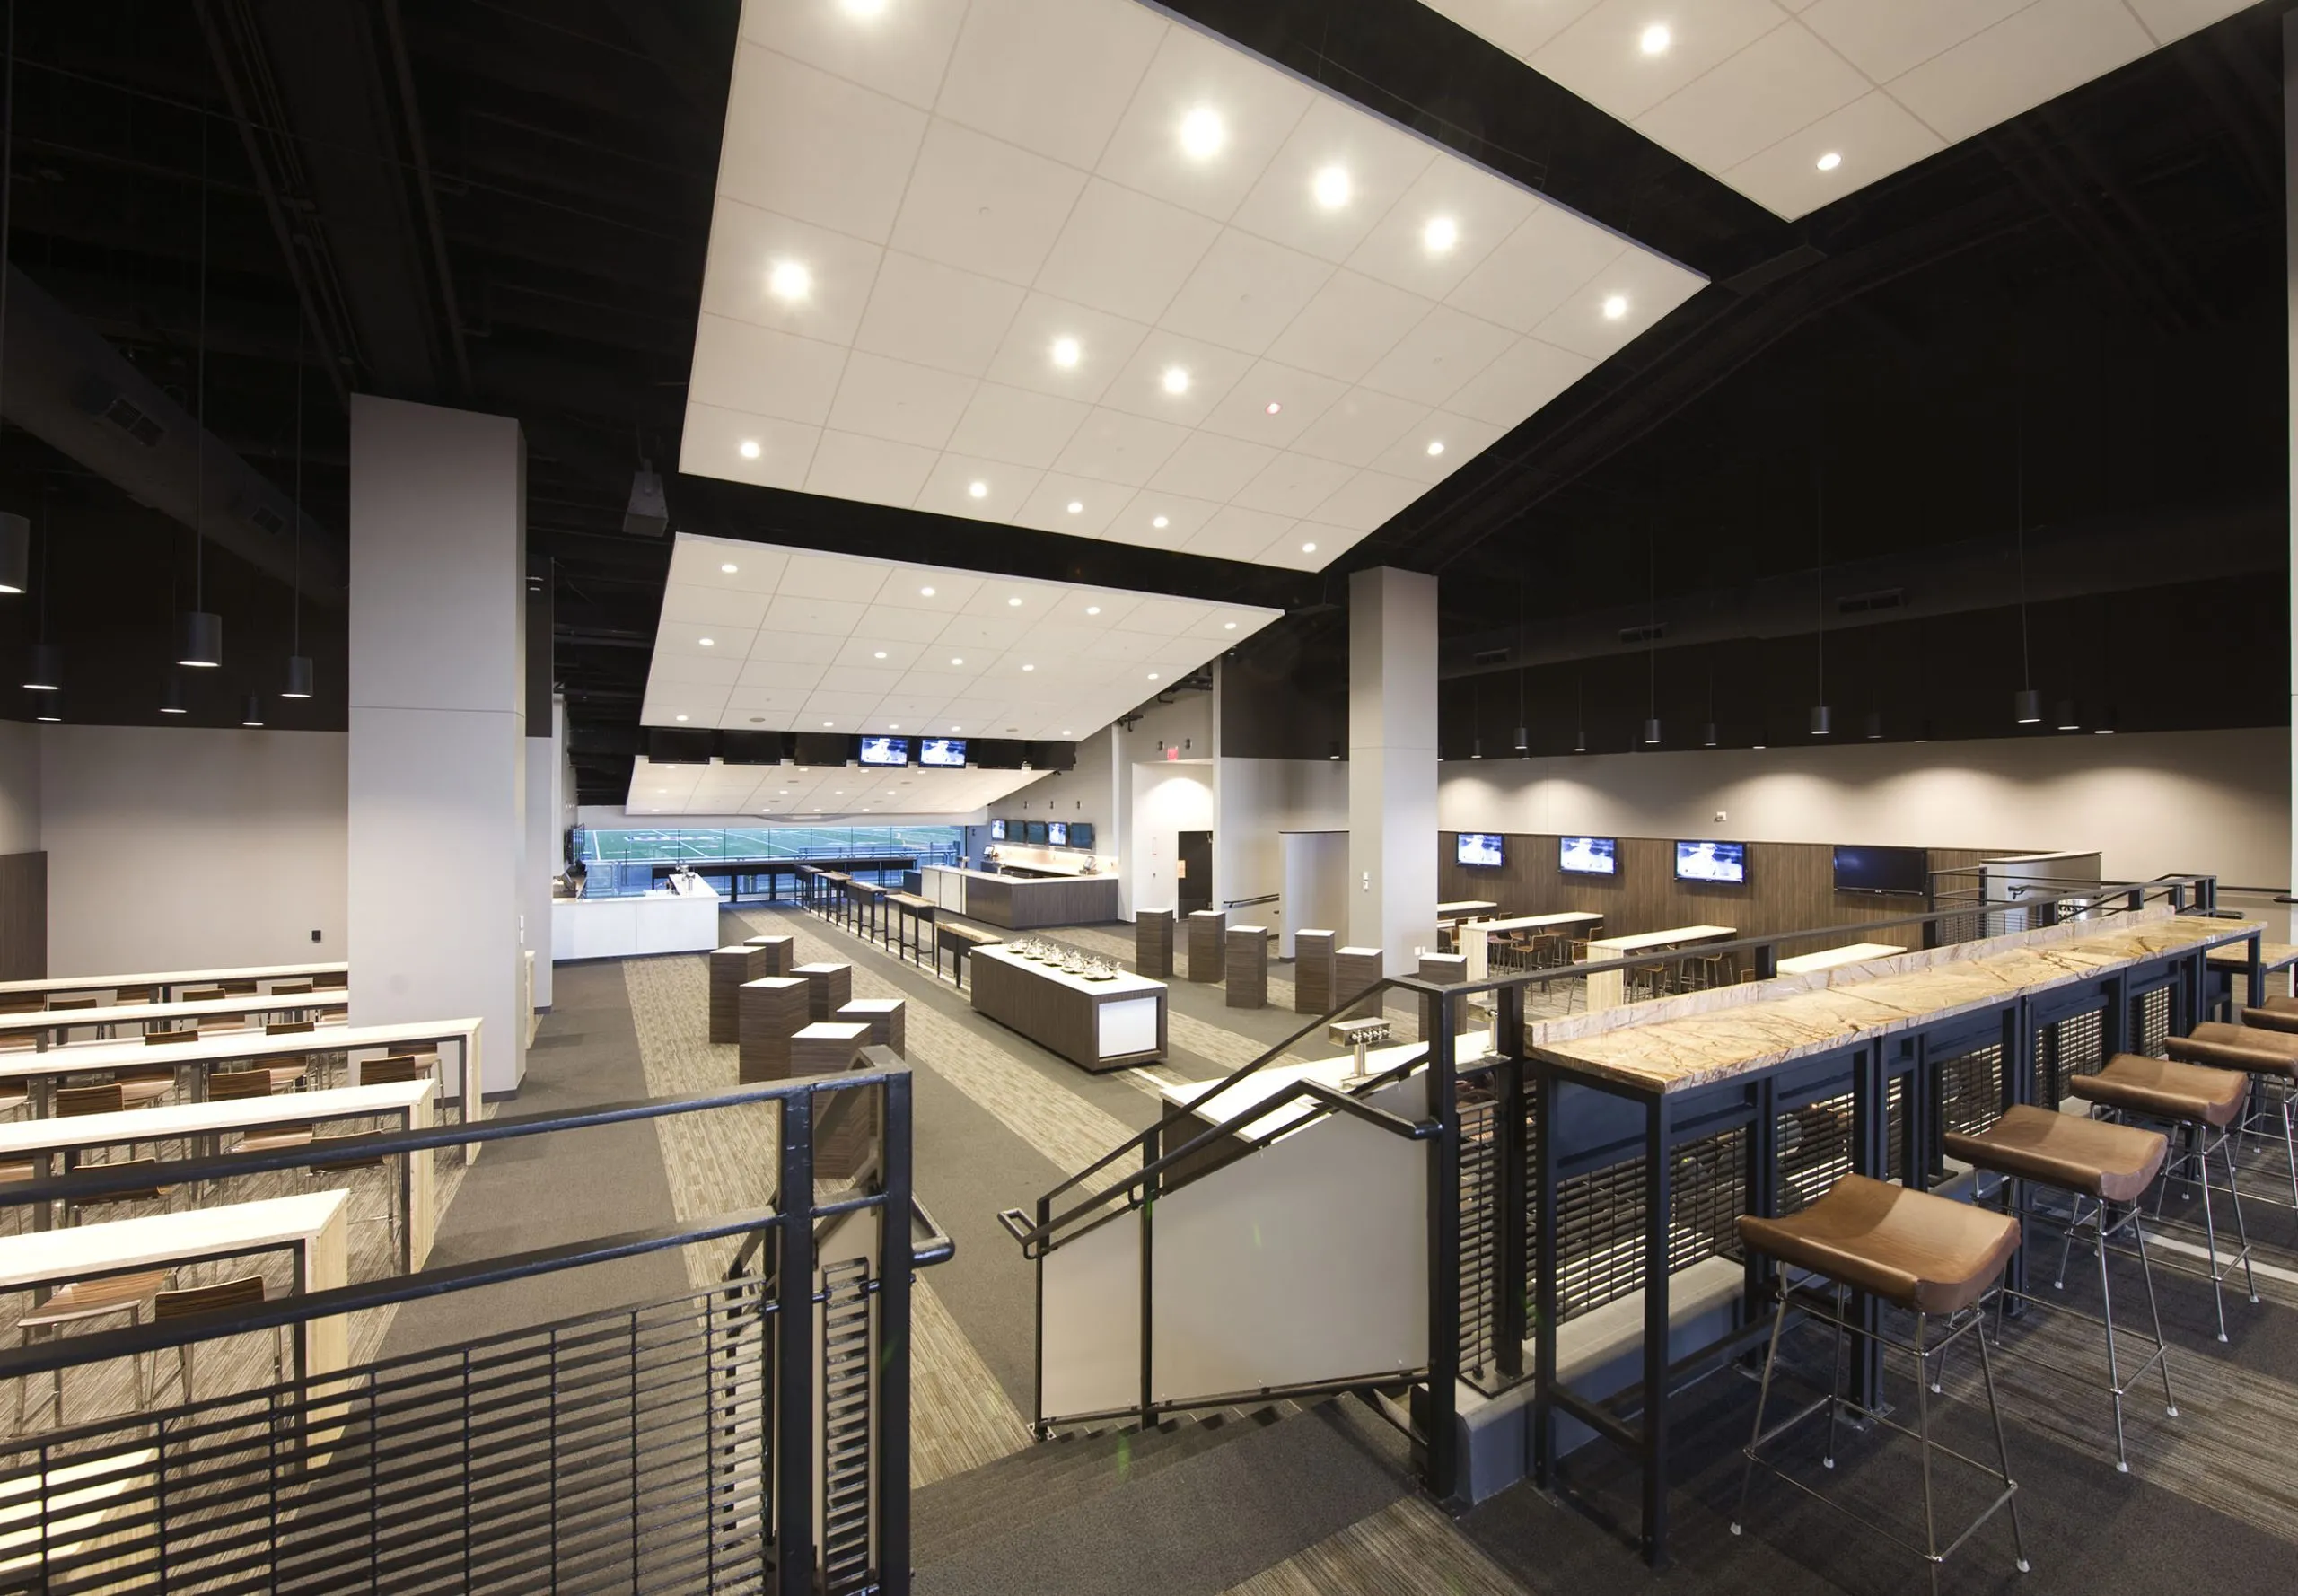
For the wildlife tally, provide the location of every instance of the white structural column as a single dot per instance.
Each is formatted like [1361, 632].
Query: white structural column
[2290, 257]
[1392, 763]
[438, 727]
[545, 759]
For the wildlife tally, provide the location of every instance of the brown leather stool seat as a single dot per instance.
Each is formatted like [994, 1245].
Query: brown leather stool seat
[2258, 1050]
[2273, 1013]
[1924, 1253]
[2093, 1157]
[2163, 1089]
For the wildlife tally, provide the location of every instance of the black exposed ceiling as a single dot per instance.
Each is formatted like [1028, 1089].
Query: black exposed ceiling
[504, 205]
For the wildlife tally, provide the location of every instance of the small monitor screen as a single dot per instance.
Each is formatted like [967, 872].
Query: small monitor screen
[943, 750]
[1057, 832]
[1721, 862]
[997, 832]
[1033, 831]
[1481, 847]
[885, 750]
[1589, 856]
[1081, 834]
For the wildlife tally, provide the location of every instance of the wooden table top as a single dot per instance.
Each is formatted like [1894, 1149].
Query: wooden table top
[1804, 964]
[1638, 940]
[25, 1136]
[333, 1001]
[41, 1258]
[1533, 922]
[225, 1045]
[1465, 906]
[1750, 1036]
[174, 978]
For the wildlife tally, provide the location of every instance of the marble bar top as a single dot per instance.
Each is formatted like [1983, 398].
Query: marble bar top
[2272, 956]
[1702, 1049]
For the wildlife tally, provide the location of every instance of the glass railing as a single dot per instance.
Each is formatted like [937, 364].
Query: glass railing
[621, 863]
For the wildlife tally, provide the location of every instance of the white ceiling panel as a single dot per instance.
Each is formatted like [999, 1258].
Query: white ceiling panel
[1435, 446]
[721, 606]
[1057, 251]
[1796, 103]
[865, 644]
[1526, 377]
[1292, 485]
[1366, 500]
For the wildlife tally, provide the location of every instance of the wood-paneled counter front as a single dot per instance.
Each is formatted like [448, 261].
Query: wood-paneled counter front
[1096, 1025]
[1020, 902]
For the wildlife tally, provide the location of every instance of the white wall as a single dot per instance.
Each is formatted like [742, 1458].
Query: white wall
[1258, 799]
[1187, 725]
[183, 847]
[2152, 804]
[20, 762]
[1168, 799]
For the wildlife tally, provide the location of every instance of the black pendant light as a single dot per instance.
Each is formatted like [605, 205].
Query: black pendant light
[2106, 726]
[171, 694]
[251, 711]
[2026, 704]
[1476, 739]
[16, 532]
[49, 709]
[44, 663]
[1523, 737]
[2067, 718]
[299, 665]
[1822, 717]
[1875, 726]
[1651, 641]
[1580, 699]
[199, 635]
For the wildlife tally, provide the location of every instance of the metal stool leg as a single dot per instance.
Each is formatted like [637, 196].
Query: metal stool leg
[1923, 1431]
[2147, 1272]
[2114, 1366]
[1835, 1376]
[1763, 1396]
[2002, 1453]
[2242, 1230]
[2210, 1237]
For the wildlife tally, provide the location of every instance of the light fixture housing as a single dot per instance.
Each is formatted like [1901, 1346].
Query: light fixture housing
[2067, 719]
[1822, 720]
[299, 677]
[49, 710]
[2026, 706]
[1523, 741]
[1707, 736]
[15, 553]
[44, 668]
[1580, 741]
[1476, 748]
[200, 639]
[2106, 726]
[1652, 733]
[251, 711]
[1875, 726]
[171, 694]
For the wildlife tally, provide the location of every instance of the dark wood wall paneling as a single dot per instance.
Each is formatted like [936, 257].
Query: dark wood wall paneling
[1790, 887]
[23, 916]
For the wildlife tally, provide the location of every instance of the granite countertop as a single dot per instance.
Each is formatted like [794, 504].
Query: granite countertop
[1124, 984]
[1675, 1055]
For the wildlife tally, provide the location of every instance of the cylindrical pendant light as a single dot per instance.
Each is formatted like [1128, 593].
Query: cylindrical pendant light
[50, 710]
[2106, 726]
[16, 553]
[299, 677]
[1875, 726]
[1709, 738]
[200, 639]
[200, 634]
[299, 664]
[171, 694]
[44, 669]
[1822, 720]
[2068, 719]
[251, 711]
[16, 530]
[1652, 733]
[1476, 748]
[2026, 706]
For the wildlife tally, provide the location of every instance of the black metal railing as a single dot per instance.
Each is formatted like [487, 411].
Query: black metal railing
[669, 1446]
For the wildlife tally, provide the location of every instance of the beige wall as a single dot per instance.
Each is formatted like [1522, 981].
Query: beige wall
[2200, 802]
[175, 848]
[19, 787]
[1258, 799]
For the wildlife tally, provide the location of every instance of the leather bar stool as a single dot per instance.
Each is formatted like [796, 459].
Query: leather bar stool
[2203, 1102]
[2106, 1166]
[2265, 1046]
[1925, 1255]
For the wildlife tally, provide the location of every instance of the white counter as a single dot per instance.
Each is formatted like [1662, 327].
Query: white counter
[629, 927]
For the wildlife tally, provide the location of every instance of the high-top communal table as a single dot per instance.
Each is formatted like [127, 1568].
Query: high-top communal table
[49, 1024]
[1605, 1097]
[164, 983]
[1020, 902]
[1608, 988]
[1473, 937]
[1096, 1025]
[2226, 963]
[1804, 964]
[910, 926]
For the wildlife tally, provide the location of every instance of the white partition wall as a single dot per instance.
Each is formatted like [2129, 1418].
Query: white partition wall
[1316, 884]
[1392, 763]
[438, 731]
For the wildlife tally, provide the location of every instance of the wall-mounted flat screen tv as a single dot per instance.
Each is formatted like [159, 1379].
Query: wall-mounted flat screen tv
[1589, 856]
[1901, 871]
[885, 750]
[1056, 833]
[997, 832]
[1725, 863]
[1081, 834]
[1033, 831]
[943, 750]
[1481, 847]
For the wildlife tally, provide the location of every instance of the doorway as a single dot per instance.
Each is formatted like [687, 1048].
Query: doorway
[1193, 855]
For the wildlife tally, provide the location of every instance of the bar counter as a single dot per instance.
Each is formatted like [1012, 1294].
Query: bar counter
[1020, 902]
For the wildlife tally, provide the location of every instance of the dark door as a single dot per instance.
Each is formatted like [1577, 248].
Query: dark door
[1195, 855]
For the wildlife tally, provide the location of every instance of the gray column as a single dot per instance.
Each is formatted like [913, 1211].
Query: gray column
[1392, 763]
[2290, 257]
[438, 757]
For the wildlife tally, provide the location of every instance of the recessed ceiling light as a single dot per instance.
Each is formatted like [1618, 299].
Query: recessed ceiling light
[1064, 730]
[1093, 608]
[878, 655]
[1203, 133]
[1435, 446]
[1028, 667]
[978, 490]
[709, 641]
[1274, 407]
[1830, 161]
[1615, 307]
[1176, 379]
[790, 280]
[1076, 505]
[864, 8]
[924, 592]
[1160, 523]
[1064, 351]
[1229, 627]
[730, 570]
[750, 449]
[1014, 602]
[1308, 549]
[682, 717]
[955, 660]
[1440, 234]
[825, 722]
[957, 728]
[894, 725]
[1657, 39]
[1331, 187]
[1153, 675]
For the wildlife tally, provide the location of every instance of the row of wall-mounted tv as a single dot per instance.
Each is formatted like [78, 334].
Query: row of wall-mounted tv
[1055, 834]
[932, 751]
[1894, 871]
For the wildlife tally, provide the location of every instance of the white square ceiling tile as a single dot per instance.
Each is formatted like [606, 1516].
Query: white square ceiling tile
[1360, 425]
[746, 244]
[1336, 176]
[897, 400]
[816, 147]
[1015, 425]
[1113, 446]
[1871, 137]
[829, 576]
[1517, 26]
[2036, 54]
[712, 606]
[1783, 81]
[1458, 439]
[820, 618]
[687, 637]
[1119, 648]
[1176, 379]
[1309, 546]
[1644, 289]
[742, 447]
[900, 51]
[1092, 609]
[1884, 38]
[1047, 330]
[702, 562]
[1436, 358]
[949, 490]
[741, 366]
[874, 680]
[1125, 253]
[871, 470]
[984, 204]
[932, 588]
[1367, 500]
[1154, 519]
[1204, 124]
[776, 654]
[1049, 506]
[765, 700]
[878, 653]
[1273, 404]
[1345, 331]
[837, 703]
[936, 315]
[917, 627]
[702, 669]
[1238, 534]
[1602, 60]
[1244, 293]
[1222, 628]
[1016, 604]
[1213, 468]
[1448, 222]
[1292, 484]
[2169, 20]
[1050, 76]
[1525, 377]
[1536, 268]
[684, 701]
[1161, 618]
